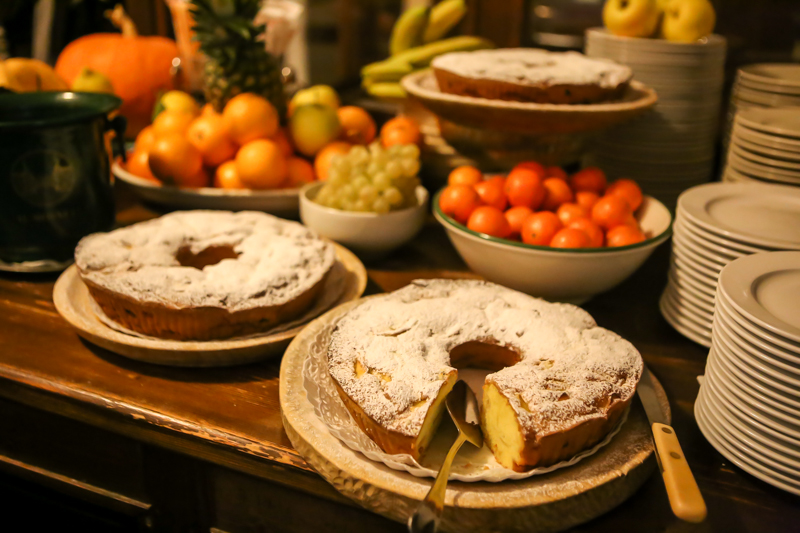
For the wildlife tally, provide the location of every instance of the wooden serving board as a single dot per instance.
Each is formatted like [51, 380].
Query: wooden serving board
[550, 502]
[73, 302]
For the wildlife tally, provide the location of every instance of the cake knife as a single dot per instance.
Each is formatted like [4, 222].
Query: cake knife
[463, 408]
[684, 494]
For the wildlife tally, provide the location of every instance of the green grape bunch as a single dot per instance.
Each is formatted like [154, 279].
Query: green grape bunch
[372, 179]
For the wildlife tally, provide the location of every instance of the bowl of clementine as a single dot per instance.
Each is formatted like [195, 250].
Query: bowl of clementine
[552, 255]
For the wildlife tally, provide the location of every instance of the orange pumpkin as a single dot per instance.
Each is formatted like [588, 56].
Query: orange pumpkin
[138, 67]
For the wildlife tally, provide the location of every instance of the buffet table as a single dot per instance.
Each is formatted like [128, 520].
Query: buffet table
[204, 449]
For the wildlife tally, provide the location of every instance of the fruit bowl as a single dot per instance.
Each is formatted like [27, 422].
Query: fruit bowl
[369, 235]
[279, 202]
[557, 274]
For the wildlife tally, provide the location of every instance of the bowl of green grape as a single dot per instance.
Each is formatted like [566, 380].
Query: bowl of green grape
[372, 201]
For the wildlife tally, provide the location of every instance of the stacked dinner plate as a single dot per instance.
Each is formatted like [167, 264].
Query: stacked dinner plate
[671, 148]
[749, 402]
[763, 85]
[765, 146]
[715, 224]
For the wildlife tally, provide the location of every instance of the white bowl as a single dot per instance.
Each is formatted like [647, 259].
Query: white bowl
[566, 275]
[367, 234]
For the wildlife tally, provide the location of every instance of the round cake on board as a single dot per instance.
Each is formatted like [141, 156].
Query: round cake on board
[554, 502]
[201, 275]
[560, 383]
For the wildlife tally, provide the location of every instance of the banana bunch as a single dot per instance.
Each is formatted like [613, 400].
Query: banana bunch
[416, 39]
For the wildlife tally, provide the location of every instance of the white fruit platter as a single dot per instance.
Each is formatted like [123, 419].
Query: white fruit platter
[280, 202]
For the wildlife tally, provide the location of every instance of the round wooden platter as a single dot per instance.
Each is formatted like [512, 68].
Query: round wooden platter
[75, 304]
[528, 118]
[550, 502]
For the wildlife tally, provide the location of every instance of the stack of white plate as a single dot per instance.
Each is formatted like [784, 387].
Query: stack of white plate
[763, 85]
[715, 224]
[671, 148]
[749, 402]
[765, 146]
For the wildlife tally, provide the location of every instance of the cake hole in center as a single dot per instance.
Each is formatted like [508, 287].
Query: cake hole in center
[477, 359]
[206, 257]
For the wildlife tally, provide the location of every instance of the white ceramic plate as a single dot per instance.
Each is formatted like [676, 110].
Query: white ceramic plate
[689, 291]
[765, 288]
[691, 254]
[706, 247]
[703, 292]
[762, 215]
[765, 151]
[761, 170]
[708, 45]
[783, 121]
[775, 141]
[773, 74]
[700, 314]
[683, 325]
[733, 247]
[763, 160]
[715, 400]
[281, 202]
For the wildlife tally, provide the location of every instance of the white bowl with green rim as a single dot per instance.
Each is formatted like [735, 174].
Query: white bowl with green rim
[557, 274]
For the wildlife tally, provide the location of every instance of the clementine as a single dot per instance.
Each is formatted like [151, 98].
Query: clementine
[539, 228]
[491, 192]
[357, 125]
[570, 238]
[627, 189]
[138, 165]
[589, 179]
[465, 175]
[169, 122]
[516, 216]
[568, 212]
[249, 117]
[524, 187]
[323, 159]
[226, 176]
[260, 165]
[145, 140]
[489, 220]
[300, 172]
[208, 134]
[459, 201]
[624, 236]
[556, 192]
[174, 160]
[610, 211]
[400, 130]
[282, 140]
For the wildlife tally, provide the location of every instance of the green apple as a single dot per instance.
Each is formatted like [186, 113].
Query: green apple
[686, 21]
[631, 18]
[317, 94]
[91, 81]
[312, 127]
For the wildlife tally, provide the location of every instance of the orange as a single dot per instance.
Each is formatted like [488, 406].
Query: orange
[145, 140]
[207, 133]
[459, 201]
[174, 160]
[570, 238]
[465, 175]
[533, 166]
[226, 176]
[400, 130]
[555, 172]
[624, 236]
[249, 117]
[491, 192]
[524, 186]
[489, 220]
[539, 228]
[586, 199]
[138, 166]
[169, 122]
[260, 165]
[208, 109]
[282, 140]
[610, 211]
[591, 229]
[629, 190]
[516, 216]
[323, 159]
[300, 172]
[199, 179]
[568, 212]
[589, 179]
[556, 192]
[357, 125]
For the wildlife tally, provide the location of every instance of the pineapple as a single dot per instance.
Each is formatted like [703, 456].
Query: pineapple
[237, 61]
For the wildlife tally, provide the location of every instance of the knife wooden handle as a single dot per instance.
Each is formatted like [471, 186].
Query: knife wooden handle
[684, 494]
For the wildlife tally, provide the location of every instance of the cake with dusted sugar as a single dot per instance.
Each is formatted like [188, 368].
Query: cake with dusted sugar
[531, 75]
[201, 275]
[559, 383]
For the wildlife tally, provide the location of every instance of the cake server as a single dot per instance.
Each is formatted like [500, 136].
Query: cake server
[463, 408]
[684, 494]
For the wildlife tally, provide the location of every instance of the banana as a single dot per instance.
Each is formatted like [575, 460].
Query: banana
[388, 70]
[386, 90]
[407, 31]
[444, 16]
[421, 56]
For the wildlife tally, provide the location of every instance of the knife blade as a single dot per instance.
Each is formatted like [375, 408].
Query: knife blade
[684, 495]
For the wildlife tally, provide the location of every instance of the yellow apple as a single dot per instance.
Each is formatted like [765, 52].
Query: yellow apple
[317, 94]
[631, 18]
[686, 21]
[312, 127]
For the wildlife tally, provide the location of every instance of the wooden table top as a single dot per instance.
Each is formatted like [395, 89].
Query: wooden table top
[231, 416]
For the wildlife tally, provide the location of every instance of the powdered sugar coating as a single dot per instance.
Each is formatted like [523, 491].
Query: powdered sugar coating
[278, 260]
[534, 67]
[569, 370]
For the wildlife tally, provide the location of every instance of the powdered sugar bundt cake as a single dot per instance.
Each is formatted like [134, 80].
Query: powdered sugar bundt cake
[205, 274]
[531, 75]
[559, 385]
